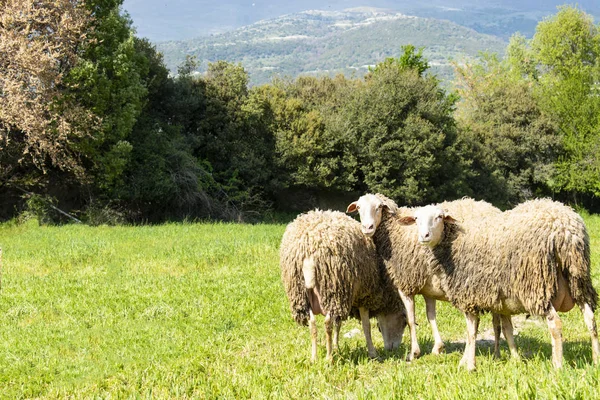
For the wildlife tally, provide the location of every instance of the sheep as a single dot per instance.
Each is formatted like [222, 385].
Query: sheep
[328, 267]
[408, 262]
[532, 259]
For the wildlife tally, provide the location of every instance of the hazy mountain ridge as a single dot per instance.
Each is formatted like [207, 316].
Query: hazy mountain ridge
[317, 42]
[183, 19]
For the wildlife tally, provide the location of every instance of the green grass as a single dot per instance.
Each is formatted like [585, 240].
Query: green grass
[199, 311]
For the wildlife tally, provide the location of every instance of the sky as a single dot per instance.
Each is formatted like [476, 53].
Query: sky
[163, 20]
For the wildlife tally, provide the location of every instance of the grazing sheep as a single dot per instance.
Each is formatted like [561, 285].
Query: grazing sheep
[532, 259]
[408, 262]
[328, 267]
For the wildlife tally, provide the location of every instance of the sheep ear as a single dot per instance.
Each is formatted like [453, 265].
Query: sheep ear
[449, 219]
[352, 208]
[390, 210]
[406, 220]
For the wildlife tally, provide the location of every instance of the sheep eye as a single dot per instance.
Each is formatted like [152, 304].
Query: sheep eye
[358, 207]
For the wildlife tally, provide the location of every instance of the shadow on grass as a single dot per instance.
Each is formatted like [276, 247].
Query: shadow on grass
[577, 354]
[359, 355]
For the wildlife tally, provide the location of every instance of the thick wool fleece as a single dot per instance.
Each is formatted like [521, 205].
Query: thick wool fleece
[515, 258]
[347, 273]
[406, 260]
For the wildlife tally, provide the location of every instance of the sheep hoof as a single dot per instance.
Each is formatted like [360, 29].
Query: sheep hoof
[438, 349]
[412, 356]
[373, 355]
[467, 364]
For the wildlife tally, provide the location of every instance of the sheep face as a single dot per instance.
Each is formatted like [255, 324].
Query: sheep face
[430, 222]
[370, 209]
[391, 327]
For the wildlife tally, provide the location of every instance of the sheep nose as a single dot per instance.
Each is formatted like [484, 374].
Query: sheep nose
[427, 235]
[370, 227]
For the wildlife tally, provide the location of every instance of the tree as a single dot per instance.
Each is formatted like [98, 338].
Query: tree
[404, 133]
[410, 59]
[534, 117]
[566, 48]
[512, 144]
[40, 43]
[311, 151]
[109, 81]
[162, 179]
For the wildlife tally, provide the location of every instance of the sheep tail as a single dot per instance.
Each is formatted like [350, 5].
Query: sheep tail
[308, 269]
[310, 282]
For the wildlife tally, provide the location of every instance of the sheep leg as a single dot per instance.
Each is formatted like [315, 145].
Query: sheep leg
[336, 333]
[468, 359]
[555, 327]
[507, 329]
[313, 336]
[496, 324]
[590, 321]
[366, 325]
[438, 346]
[409, 305]
[328, 334]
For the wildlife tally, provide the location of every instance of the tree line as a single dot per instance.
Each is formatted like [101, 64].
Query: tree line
[92, 123]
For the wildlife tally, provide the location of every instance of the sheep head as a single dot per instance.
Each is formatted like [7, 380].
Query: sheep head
[391, 327]
[430, 222]
[370, 208]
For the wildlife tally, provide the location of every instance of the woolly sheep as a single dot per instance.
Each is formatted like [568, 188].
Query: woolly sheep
[532, 259]
[328, 267]
[408, 263]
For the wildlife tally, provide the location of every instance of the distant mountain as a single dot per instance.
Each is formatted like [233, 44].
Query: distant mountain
[330, 42]
[161, 20]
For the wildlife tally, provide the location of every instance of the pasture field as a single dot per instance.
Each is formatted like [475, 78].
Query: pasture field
[199, 311]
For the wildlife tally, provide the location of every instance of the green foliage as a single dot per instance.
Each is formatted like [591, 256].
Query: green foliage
[567, 43]
[567, 48]
[163, 179]
[109, 81]
[561, 65]
[404, 131]
[532, 121]
[228, 127]
[512, 144]
[38, 208]
[407, 60]
[311, 153]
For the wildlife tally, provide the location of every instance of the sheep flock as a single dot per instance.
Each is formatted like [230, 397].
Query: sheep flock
[533, 259]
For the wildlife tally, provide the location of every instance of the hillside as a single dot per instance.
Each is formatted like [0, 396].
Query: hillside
[331, 42]
[183, 19]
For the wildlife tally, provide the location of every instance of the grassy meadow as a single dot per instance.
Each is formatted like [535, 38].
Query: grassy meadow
[199, 311]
